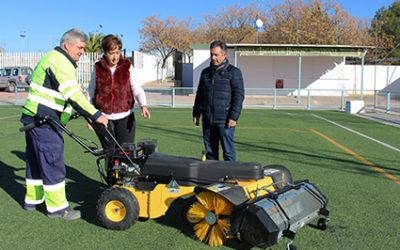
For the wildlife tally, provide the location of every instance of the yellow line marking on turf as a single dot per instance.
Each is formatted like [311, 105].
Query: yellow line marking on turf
[380, 170]
[362, 159]
[357, 133]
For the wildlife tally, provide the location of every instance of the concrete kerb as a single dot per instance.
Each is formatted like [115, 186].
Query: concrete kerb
[390, 118]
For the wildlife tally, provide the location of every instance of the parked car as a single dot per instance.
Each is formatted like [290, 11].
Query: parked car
[12, 77]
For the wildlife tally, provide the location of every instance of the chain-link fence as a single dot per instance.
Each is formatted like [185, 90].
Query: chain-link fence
[255, 98]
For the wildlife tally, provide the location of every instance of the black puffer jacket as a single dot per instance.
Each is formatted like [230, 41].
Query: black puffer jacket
[220, 94]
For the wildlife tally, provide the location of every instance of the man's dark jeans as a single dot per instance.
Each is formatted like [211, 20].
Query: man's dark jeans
[212, 135]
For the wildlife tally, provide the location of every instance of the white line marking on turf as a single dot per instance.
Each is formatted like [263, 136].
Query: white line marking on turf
[11, 116]
[358, 133]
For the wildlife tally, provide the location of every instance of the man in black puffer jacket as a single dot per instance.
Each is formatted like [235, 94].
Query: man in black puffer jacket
[219, 99]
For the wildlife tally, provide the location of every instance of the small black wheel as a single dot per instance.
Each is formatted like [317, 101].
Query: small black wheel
[284, 178]
[188, 204]
[11, 87]
[117, 208]
[293, 247]
[322, 223]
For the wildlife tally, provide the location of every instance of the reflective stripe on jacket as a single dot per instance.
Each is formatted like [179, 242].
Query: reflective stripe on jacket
[54, 90]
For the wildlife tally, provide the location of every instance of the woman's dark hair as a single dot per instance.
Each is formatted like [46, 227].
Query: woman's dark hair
[220, 44]
[111, 42]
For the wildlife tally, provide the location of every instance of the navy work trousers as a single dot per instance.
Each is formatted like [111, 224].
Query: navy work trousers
[45, 155]
[213, 134]
[45, 169]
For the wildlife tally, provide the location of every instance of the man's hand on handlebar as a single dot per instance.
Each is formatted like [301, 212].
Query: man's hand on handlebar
[103, 120]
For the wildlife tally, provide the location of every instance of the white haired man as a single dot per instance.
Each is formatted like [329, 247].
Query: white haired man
[54, 92]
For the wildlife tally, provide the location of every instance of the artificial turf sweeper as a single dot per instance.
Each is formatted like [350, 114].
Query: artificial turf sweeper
[259, 205]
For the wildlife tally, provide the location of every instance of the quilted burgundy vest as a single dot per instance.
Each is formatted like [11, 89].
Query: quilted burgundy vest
[113, 92]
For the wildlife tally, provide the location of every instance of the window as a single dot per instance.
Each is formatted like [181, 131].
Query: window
[26, 71]
[15, 72]
[7, 72]
[139, 60]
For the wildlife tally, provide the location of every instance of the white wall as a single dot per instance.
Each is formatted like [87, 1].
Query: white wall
[317, 72]
[262, 72]
[387, 77]
[201, 60]
[146, 66]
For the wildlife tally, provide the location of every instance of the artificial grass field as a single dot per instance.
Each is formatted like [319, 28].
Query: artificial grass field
[359, 177]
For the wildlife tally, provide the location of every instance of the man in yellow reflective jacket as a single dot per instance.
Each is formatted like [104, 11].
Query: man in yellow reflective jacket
[54, 92]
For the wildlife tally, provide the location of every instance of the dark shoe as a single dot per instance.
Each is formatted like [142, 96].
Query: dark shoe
[66, 215]
[29, 207]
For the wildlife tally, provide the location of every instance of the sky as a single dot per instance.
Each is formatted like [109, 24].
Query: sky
[38, 25]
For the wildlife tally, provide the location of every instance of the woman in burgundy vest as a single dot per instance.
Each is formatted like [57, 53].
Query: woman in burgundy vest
[113, 91]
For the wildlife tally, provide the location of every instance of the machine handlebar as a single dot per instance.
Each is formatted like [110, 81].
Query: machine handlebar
[39, 120]
[27, 127]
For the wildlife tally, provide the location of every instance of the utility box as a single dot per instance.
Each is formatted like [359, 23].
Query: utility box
[187, 75]
[178, 62]
[355, 106]
[279, 83]
[183, 71]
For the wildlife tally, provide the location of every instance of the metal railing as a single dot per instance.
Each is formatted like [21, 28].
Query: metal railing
[333, 99]
[308, 99]
[387, 100]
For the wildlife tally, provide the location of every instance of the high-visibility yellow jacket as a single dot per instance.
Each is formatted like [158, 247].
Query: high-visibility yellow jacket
[54, 90]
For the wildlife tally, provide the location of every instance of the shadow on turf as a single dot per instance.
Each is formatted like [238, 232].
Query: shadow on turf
[179, 133]
[174, 217]
[9, 182]
[247, 147]
[360, 166]
[85, 192]
[80, 189]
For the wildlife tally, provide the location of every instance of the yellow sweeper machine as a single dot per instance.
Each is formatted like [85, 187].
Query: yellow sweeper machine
[256, 204]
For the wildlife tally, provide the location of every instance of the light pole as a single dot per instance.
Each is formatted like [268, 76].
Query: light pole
[22, 35]
[99, 30]
[123, 50]
[259, 25]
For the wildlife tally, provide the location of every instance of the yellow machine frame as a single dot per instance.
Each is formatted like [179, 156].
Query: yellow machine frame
[155, 203]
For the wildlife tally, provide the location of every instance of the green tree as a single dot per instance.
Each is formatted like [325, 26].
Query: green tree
[313, 22]
[234, 24]
[165, 37]
[385, 28]
[94, 43]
